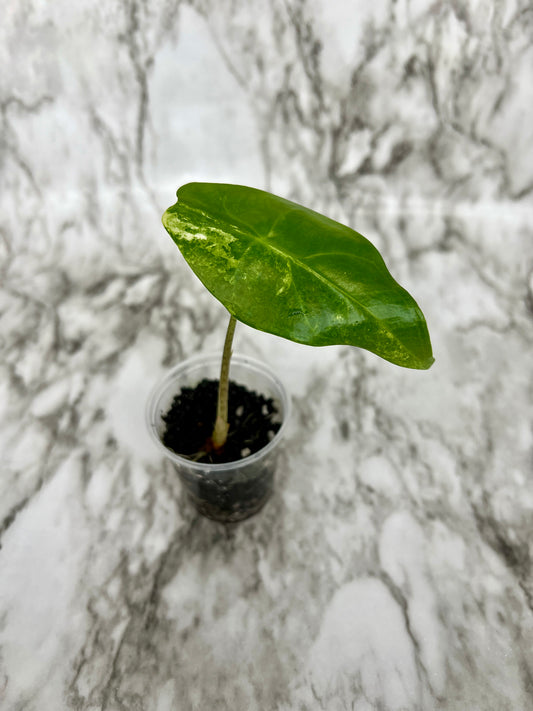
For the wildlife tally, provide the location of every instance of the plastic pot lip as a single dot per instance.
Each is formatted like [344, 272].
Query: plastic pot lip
[196, 362]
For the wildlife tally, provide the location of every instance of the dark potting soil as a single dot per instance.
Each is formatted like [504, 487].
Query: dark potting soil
[253, 422]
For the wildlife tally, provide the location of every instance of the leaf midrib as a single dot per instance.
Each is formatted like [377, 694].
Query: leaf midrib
[252, 234]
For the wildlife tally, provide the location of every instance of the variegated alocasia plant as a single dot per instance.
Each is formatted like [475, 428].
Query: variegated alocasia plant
[282, 268]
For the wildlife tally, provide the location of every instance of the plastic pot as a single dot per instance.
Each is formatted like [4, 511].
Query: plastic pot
[234, 490]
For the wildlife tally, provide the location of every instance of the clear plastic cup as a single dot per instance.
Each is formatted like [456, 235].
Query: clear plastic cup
[234, 490]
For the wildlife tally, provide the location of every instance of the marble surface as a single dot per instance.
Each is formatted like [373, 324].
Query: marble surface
[392, 570]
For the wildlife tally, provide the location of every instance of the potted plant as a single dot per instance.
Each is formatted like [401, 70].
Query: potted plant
[281, 268]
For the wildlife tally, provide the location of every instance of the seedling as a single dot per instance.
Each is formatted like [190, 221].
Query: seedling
[282, 268]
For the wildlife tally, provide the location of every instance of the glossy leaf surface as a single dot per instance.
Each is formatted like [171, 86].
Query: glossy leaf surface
[285, 269]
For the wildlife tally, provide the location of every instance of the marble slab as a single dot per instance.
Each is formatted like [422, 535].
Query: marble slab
[392, 569]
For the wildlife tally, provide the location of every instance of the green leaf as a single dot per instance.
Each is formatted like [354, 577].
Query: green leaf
[282, 268]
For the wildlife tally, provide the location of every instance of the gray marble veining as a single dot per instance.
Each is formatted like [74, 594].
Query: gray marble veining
[392, 570]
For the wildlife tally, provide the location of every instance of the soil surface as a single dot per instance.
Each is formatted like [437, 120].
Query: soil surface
[253, 422]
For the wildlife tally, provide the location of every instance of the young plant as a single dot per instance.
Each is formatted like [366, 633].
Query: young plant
[282, 268]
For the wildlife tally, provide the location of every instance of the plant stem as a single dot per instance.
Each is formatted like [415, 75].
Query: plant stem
[220, 432]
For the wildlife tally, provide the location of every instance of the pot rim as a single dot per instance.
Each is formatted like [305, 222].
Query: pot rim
[152, 409]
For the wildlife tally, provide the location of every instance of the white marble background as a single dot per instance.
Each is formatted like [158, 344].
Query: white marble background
[392, 571]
